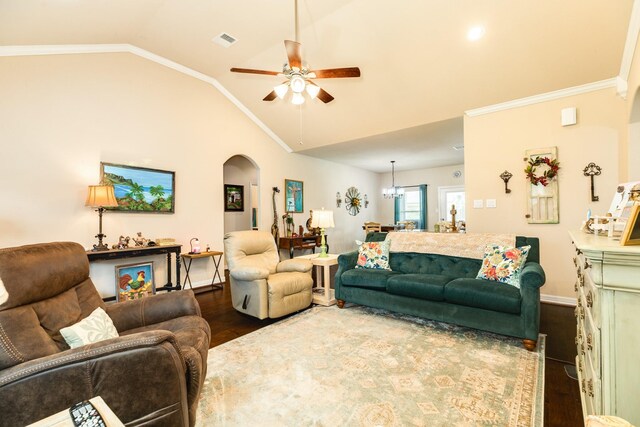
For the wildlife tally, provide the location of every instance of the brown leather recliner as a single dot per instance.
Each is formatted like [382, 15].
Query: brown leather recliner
[151, 375]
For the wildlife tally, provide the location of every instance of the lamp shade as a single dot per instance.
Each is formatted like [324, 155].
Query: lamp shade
[101, 196]
[322, 219]
[4, 295]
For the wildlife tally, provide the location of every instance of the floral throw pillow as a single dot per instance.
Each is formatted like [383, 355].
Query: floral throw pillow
[373, 255]
[503, 264]
[97, 326]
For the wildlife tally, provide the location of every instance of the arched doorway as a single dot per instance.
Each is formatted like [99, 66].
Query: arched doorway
[633, 166]
[242, 200]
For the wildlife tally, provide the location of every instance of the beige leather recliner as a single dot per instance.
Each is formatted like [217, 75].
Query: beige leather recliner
[261, 286]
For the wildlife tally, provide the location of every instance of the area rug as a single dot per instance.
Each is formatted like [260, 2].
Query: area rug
[365, 367]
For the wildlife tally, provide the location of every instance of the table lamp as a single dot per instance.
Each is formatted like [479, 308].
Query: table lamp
[322, 219]
[101, 196]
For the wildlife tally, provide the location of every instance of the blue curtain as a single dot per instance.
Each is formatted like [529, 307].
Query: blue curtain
[423, 208]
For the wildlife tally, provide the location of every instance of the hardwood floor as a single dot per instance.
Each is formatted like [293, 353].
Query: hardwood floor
[561, 398]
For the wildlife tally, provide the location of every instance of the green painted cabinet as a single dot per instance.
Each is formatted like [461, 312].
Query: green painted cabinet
[608, 326]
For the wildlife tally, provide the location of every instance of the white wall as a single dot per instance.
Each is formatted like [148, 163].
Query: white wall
[61, 115]
[433, 177]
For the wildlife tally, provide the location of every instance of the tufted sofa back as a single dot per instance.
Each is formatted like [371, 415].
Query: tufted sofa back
[410, 262]
[49, 288]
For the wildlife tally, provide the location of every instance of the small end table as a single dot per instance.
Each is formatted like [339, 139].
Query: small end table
[322, 293]
[216, 256]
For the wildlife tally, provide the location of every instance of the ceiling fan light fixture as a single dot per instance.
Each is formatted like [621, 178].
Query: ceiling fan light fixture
[313, 90]
[297, 84]
[281, 90]
[297, 99]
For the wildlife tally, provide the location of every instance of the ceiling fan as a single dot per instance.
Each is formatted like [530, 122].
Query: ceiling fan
[298, 77]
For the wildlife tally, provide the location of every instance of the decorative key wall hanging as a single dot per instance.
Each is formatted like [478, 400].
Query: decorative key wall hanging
[592, 170]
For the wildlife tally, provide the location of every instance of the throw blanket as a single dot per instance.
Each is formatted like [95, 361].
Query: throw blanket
[465, 245]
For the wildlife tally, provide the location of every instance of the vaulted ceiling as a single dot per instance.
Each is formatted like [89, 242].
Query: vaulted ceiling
[419, 70]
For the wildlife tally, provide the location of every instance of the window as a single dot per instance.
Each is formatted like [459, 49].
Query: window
[448, 196]
[413, 206]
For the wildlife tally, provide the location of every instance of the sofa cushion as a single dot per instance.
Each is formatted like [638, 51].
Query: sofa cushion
[486, 294]
[367, 278]
[422, 286]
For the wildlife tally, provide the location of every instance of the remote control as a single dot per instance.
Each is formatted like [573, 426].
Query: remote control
[84, 414]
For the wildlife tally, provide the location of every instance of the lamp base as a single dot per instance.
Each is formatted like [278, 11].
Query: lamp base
[323, 246]
[100, 247]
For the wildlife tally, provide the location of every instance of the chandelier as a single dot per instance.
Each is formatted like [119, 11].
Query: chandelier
[393, 192]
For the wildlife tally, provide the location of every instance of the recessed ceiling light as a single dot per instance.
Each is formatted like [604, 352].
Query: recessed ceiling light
[475, 33]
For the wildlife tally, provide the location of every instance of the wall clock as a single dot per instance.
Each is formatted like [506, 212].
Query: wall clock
[352, 201]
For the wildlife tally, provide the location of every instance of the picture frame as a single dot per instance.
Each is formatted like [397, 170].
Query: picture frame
[138, 189]
[631, 233]
[233, 198]
[135, 281]
[293, 196]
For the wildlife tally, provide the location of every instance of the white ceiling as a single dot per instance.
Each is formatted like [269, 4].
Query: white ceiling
[419, 72]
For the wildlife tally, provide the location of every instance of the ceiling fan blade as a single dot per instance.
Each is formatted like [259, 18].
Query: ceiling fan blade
[333, 73]
[271, 96]
[324, 96]
[250, 71]
[293, 53]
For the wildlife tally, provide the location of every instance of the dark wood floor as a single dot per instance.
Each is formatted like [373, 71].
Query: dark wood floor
[561, 398]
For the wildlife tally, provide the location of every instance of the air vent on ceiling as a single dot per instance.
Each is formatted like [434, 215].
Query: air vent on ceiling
[224, 39]
[458, 147]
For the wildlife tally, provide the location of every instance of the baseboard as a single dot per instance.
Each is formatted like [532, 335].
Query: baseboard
[552, 299]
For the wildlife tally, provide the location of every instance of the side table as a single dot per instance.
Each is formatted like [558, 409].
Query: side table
[216, 256]
[322, 292]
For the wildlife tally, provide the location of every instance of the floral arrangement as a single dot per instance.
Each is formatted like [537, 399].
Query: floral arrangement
[547, 176]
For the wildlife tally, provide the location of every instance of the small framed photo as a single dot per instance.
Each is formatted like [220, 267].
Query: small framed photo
[233, 198]
[293, 196]
[135, 281]
[631, 233]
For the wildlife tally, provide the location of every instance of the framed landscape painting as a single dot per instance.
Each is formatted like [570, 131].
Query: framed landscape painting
[233, 198]
[140, 189]
[134, 281]
[293, 196]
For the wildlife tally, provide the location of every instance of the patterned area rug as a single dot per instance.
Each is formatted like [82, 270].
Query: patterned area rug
[368, 367]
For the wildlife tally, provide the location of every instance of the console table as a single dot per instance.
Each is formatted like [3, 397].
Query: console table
[301, 242]
[144, 251]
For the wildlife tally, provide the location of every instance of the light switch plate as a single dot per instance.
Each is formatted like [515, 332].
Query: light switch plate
[491, 203]
[478, 204]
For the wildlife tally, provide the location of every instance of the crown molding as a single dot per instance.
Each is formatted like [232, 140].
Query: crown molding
[629, 49]
[543, 97]
[134, 50]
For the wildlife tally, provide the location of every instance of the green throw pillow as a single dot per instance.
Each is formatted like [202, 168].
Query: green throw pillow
[94, 328]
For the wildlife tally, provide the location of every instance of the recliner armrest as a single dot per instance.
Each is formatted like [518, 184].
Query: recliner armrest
[293, 265]
[128, 315]
[247, 274]
[532, 275]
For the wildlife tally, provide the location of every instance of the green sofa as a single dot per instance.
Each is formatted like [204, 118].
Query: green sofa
[444, 288]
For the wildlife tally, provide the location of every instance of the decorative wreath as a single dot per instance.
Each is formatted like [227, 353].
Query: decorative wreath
[547, 176]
